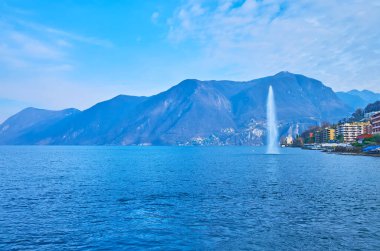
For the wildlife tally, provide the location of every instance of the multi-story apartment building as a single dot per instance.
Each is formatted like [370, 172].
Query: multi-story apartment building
[375, 122]
[318, 137]
[325, 135]
[328, 134]
[351, 131]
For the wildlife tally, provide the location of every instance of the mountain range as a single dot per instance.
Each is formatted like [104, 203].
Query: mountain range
[358, 99]
[193, 112]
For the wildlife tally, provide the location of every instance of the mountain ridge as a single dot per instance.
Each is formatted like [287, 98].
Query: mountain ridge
[358, 99]
[191, 112]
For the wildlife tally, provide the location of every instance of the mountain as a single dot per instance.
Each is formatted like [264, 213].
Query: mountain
[16, 129]
[192, 112]
[298, 98]
[366, 95]
[97, 125]
[191, 108]
[358, 99]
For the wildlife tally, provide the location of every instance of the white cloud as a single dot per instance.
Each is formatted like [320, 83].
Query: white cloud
[155, 17]
[335, 41]
[64, 34]
[31, 46]
[36, 64]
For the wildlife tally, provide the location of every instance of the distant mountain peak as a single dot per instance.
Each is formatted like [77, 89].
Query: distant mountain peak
[39, 110]
[187, 85]
[364, 91]
[291, 74]
[190, 83]
[284, 73]
[358, 99]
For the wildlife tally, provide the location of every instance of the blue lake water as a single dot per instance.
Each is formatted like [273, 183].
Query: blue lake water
[170, 198]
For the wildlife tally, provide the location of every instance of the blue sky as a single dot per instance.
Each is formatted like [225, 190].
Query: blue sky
[58, 54]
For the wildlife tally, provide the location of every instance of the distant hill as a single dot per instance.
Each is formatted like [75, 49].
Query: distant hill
[358, 99]
[29, 121]
[374, 107]
[192, 112]
[360, 113]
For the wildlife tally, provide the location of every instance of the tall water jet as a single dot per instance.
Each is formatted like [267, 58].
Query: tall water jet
[272, 144]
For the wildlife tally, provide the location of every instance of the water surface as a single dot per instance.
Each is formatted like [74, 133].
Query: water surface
[173, 198]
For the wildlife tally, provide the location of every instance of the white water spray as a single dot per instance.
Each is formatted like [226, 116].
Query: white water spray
[272, 144]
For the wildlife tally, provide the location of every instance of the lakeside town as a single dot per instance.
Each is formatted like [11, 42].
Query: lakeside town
[359, 134]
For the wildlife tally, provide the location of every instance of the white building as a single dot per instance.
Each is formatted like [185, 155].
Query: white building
[289, 140]
[351, 131]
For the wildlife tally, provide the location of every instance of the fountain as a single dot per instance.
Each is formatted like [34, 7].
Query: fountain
[272, 144]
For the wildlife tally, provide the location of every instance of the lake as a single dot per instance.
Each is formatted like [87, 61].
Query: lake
[170, 198]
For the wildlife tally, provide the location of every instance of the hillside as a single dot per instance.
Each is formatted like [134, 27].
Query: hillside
[358, 99]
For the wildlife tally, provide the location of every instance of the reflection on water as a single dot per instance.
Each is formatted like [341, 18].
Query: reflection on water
[186, 198]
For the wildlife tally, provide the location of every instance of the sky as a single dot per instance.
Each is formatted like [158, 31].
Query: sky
[68, 53]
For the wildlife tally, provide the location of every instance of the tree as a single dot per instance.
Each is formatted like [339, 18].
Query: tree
[372, 107]
[340, 138]
[376, 138]
[357, 115]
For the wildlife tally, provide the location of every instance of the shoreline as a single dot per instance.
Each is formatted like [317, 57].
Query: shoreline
[344, 153]
[354, 154]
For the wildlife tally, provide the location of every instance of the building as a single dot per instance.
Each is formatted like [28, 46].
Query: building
[375, 122]
[350, 131]
[289, 140]
[368, 129]
[318, 137]
[328, 135]
[368, 115]
[311, 138]
[325, 135]
[363, 137]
